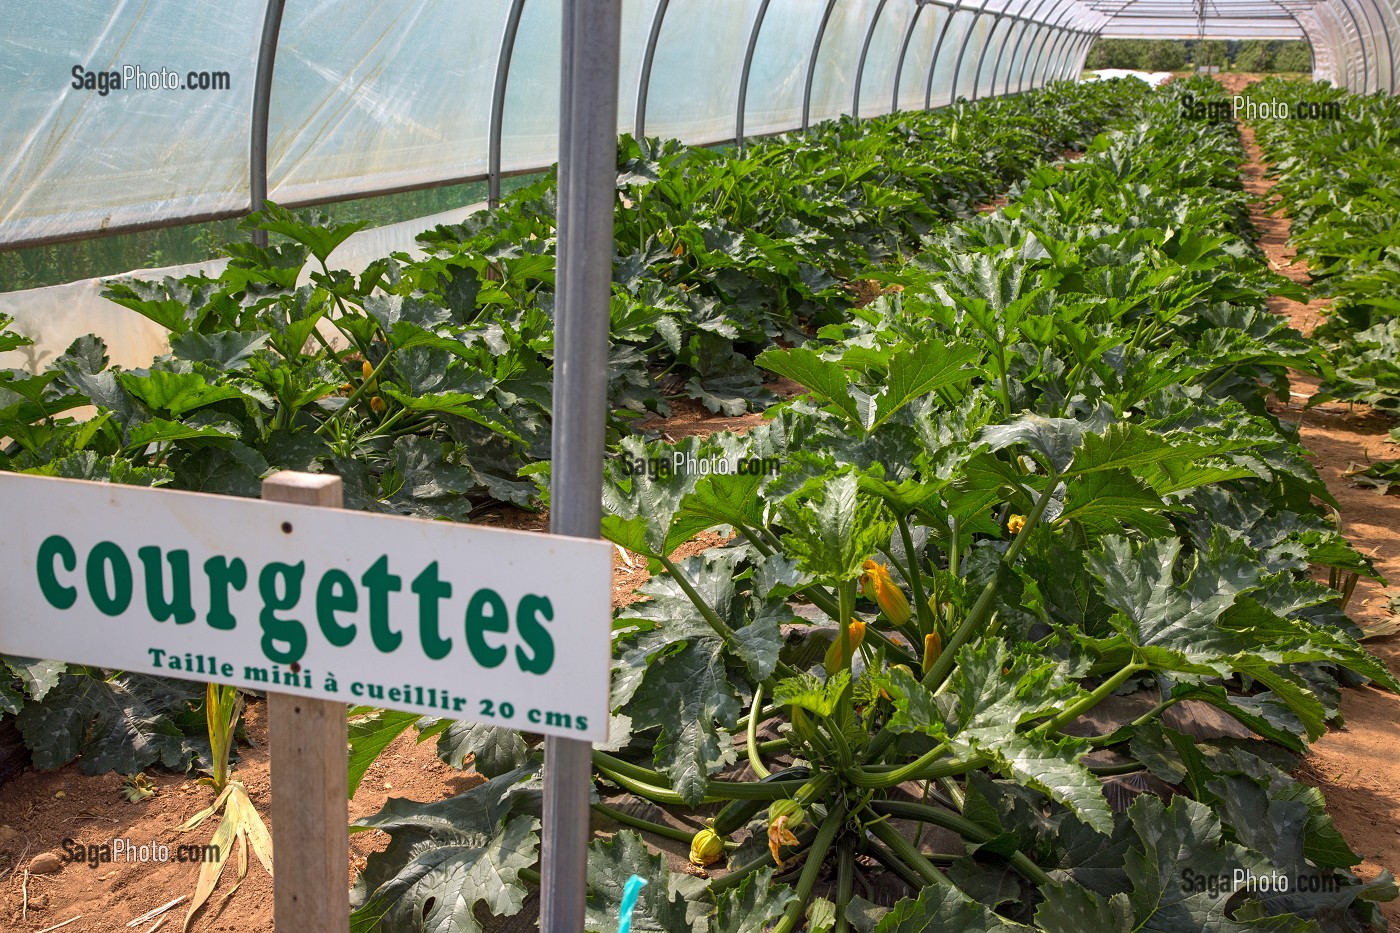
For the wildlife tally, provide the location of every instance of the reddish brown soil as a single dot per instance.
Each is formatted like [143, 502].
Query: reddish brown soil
[1355, 764]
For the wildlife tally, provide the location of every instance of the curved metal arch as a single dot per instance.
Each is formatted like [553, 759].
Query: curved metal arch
[919, 8]
[962, 49]
[938, 47]
[812, 64]
[1016, 49]
[860, 64]
[1026, 69]
[1042, 75]
[644, 80]
[982, 56]
[1016, 20]
[1074, 64]
[262, 108]
[1076, 58]
[1052, 64]
[1360, 43]
[498, 104]
[1307, 36]
[1057, 60]
[1044, 46]
[1389, 44]
[744, 77]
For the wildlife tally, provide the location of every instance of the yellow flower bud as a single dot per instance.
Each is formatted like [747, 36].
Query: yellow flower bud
[367, 373]
[377, 404]
[706, 848]
[877, 584]
[835, 661]
[933, 647]
[1015, 523]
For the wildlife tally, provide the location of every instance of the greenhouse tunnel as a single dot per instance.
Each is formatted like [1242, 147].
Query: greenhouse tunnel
[307, 106]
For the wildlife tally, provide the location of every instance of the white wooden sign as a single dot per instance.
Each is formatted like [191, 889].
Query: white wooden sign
[509, 628]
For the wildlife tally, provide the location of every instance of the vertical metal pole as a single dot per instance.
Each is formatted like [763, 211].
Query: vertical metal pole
[743, 102]
[962, 49]
[938, 47]
[982, 56]
[592, 31]
[498, 104]
[262, 105]
[865, 50]
[1001, 53]
[904, 52]
[812, 65]
[644, 82]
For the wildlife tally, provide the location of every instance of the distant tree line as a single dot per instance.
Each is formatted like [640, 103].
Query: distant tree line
[1179, 54]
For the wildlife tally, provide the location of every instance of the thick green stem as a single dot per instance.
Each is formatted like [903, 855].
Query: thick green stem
[960, 825]
[708, 613]
[359, 391]
[1097, 696]
[878, 776]
[736, 877]
[905, 851]
[755, 762]
[654, 787]
[922, 612]
[710, 616]
[812, 868]
[637, 822]
[983, 607]
[845, 885]
[1127, 767]
[1124, 733]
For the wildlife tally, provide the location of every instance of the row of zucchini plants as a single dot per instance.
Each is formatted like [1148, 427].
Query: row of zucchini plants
[1339, 182]
[1032, 521]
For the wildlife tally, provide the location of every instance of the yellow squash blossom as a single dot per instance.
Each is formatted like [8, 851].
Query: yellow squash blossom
[877, 584]
[834, 659]
[933, 647]
[783, 817]
[1015, 523]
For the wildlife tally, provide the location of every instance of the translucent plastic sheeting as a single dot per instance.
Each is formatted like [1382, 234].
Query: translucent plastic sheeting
[834, 79]
[123, 148]
[56, 316]
[396, 95]
[530, 125]
[390, 95]
[919, 57]
[981, 31]
[696, 38]
[947, 56]
[779, 71]
[882, 57]
[637, 17]
[990, 56]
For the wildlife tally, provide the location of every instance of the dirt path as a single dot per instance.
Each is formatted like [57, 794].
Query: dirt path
[1355, 765]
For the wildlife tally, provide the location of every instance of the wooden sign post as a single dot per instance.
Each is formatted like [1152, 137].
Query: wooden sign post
[310, 778]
